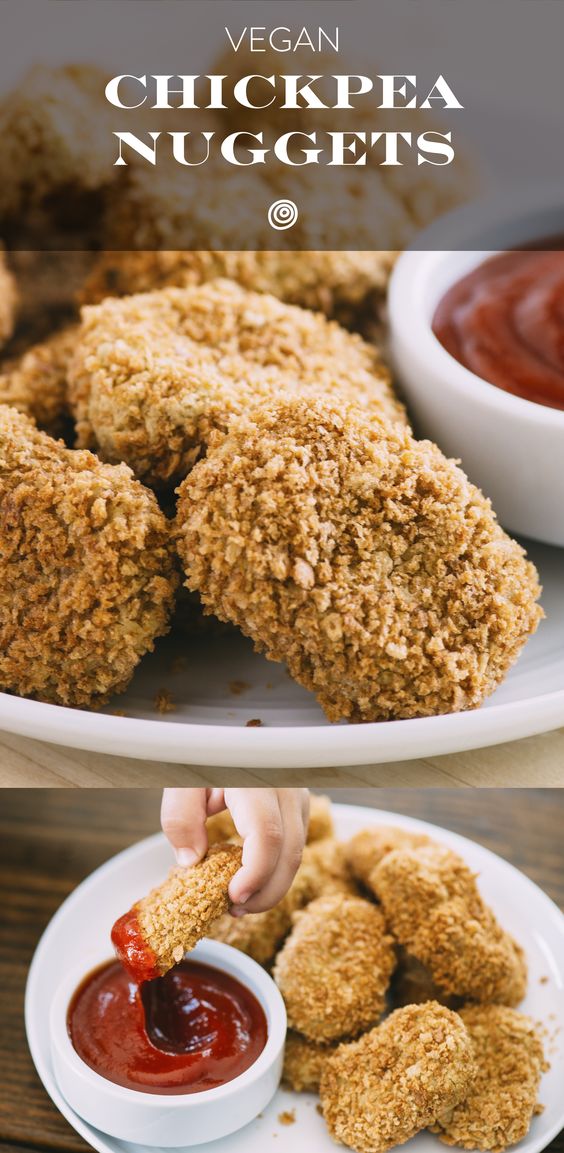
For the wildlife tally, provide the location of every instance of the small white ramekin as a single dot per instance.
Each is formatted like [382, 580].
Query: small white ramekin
[513, 449]
[172, 1120]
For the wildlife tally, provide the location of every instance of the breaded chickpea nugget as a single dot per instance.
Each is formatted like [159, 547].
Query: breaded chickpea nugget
[335, 967]
[503, 1099]
[304, 1062]
[336, 283]
[381, 1090]
[363, 559]
[434, 909]
[87, 573]
[367, 848]
[320, 819]
[153, 374]
[159, 929]
[8, 297]
[36, 383]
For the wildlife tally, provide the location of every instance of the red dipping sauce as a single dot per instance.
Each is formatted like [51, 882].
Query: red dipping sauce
[505, 322]
[132, 948]
[193, 1029]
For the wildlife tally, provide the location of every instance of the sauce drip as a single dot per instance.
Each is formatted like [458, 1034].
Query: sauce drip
[193, 1029]
[132, 949]
[505, 322]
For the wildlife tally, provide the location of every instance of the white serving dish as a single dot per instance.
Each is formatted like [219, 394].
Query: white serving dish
[85, 918]
[179, 1119]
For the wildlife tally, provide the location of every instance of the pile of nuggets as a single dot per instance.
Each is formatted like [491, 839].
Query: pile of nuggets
[400, 985]
[226, 428]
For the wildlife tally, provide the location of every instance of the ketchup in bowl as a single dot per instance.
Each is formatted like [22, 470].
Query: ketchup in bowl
[505, 322]
[193, 1029]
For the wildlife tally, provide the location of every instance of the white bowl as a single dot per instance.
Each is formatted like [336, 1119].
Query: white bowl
[179, 1119]
[513, 449]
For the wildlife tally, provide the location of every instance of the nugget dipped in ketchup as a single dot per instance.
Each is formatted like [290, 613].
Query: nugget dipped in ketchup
[160, 928]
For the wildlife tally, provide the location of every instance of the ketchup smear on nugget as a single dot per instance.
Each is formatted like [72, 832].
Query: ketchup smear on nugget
[193, 1029]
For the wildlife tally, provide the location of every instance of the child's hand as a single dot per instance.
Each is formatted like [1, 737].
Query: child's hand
[273, 826]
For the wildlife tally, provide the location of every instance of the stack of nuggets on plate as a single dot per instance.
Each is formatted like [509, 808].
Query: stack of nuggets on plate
[400, 985]
[221, 433]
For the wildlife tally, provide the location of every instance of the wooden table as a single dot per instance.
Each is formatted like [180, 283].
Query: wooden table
[51, 839]
[536, 761]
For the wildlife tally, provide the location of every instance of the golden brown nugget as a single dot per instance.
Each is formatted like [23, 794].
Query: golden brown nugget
[36, 382]
[413, 985]
[433, 907]
[335, 968]
[159, 929]
[367, 848]
[8, 297]
[320, 819]
[363, 559]
[381, 1090]
[55, 133]
[503, 1099]
[304, 1062]
[87, 572]
[220, 828]
[153, 374]
[326, 865]
[339, 284]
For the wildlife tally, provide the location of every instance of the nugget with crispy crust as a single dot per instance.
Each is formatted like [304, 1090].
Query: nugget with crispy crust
[87, 574]
[159, 929]
[340, 284]
[335, 967]
[381, 1090]
[36, 382]
[434, 909]
[367, 847]
[55, 135]
[304, 1061]
[8, 297]
[363, 559]
[503, 1099]
[153, 374]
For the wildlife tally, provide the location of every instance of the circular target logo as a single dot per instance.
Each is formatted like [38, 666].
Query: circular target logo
[282, 214]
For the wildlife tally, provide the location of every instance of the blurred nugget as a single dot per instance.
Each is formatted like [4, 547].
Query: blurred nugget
[503, 1098]
[367, 848]
[434, 909]
[159, 929]
[397, 1079]
[8, 298]
[335, 968]
[36, 382]
[320, 818]
[304, 1061]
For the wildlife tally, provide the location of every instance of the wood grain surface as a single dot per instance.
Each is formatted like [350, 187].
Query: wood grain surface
[536, 762]
[51, 839]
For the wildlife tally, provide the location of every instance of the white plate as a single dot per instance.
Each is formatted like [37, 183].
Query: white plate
[208, 725]
[86, 917]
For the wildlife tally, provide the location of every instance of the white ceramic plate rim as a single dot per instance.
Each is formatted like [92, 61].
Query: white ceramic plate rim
[358, 813]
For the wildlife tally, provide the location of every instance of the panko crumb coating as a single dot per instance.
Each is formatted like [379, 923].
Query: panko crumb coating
[397, 1079]
[8, 299]
[55, 133]
[335, 967]
[153, 374]
[320, 823]
[304, 1062]
[340, 284]
[503, 1099]
[87, 573]
[220, 828]
[433, 907]
[175, 915]
[36, 382]
[363, 559]
[366, 848]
